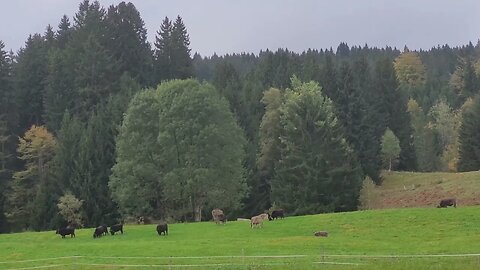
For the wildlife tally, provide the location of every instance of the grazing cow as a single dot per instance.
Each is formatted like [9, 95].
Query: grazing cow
[221, 219]
[66, 231]
[218, 216]
[99, 231]
[105, 229]
[257, 221]
[276, 214]
[447, 202]
[115, 228]
[321, 233]
[162, 228]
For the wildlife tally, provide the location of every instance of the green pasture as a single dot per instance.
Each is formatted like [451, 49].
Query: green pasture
[379, 239]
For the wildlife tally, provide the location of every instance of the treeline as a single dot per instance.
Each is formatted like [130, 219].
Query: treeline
[296, 130]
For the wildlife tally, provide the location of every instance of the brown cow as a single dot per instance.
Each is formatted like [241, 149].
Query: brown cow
[258, 220]
[218, 216]
[448, 202]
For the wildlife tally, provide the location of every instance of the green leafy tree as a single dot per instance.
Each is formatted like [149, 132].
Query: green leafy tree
[390, 148]
[317, 171]
[425, 139]
[194, 152]
[446, 123]
[269, 153]
[135, 181]
[464, 81]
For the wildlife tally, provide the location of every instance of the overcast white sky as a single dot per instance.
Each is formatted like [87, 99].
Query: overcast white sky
[251, 25]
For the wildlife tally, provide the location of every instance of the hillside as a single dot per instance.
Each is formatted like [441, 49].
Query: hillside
[409, 189]
[379, 239]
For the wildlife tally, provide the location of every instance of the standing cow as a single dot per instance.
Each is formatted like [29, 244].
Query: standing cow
[116, 228]
[99, 231]
[162, 228]
[66, 231]
[218, 216]
[447, 202]
[279, 213]
[257, 221]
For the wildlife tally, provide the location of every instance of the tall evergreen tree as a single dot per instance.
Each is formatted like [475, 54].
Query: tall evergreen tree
[469, 148]
[329, 78]
[128, 41]
[64, 32]
[367, 132]
[394, 107]
[182, 62]
[317, 171]
[30, 75]
[163, 52]
[172, 51]
[227, 82]
[8, 128]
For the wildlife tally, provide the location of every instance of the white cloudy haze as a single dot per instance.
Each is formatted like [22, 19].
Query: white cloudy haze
[251, 25]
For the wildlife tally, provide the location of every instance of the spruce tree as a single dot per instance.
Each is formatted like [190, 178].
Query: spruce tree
[367, 131]
[31, 71]
[469, 148]
[227, 82]
[392, 103]
[64, 32]
[128, 41]
[163, 52]
[317, 171]
[181, 60]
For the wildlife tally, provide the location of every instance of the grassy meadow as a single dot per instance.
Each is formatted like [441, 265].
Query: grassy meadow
[391, 235]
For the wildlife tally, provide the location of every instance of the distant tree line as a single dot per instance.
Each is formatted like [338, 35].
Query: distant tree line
[96, 119]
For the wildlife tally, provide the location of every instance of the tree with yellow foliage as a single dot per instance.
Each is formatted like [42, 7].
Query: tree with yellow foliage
[36, 149]
[410, 70]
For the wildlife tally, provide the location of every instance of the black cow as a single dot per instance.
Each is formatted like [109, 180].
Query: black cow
[221, 218]
[162, 228]
[115, 228]
[447, 202]
[99, 231]
[105, 229]
[66, 231]
[276, 214]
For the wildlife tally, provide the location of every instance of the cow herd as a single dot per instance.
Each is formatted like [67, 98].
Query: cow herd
[218, 217]
[162, 228]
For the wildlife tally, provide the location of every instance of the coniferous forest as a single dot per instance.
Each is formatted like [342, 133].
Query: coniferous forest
[97, 125]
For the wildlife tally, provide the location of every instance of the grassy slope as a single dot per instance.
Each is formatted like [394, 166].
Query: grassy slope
[405, 231]
[408, 189]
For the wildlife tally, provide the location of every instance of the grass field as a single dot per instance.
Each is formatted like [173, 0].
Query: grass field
[409, 189]
[379, 239]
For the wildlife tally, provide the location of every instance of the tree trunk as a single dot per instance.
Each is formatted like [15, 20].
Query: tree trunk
[390, 166]
[197, 213]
